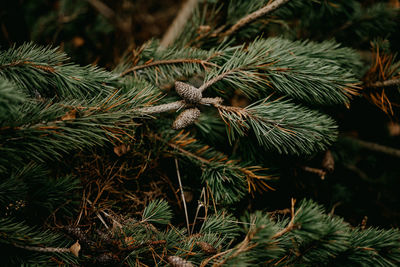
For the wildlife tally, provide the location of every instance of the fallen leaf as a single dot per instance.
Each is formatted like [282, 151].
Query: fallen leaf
[75, 248]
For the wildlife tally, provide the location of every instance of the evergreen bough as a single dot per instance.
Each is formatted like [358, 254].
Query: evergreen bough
[54, 113]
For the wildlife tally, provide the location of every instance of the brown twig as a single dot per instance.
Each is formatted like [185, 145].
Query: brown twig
[378, 148]
[334, 207]
[161, 108]
[386, 83]
[291, 224]
[169, 61]
[214, 80]
[182, 194]
[43, 249]
[178, 24]
[206, 261]
[32, 64]
[102, 8]
[321, 173]
[255, 15]
[244, 245]
[175, 106]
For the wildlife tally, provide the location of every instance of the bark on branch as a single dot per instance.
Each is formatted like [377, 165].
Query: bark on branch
[386, 83]
[176, 105]
[255, 15]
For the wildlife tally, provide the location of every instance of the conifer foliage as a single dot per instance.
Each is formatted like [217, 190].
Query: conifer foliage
[80, 145]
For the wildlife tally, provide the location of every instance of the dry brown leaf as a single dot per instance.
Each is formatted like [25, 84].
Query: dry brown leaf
[75, 248]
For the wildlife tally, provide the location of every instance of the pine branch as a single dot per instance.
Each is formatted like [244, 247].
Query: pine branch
[169, 61]
[226, 177]
[254, 16]
[321, 173]
[317, 73]
[281, 126]
[387, 83]
[103, 9]
[163, 67]
[48, 130]
[178, 24]
[291, 225]
[216, 79]
[44, 72]
[377, 147]
[10, 100]
[175, 106]
[23, 236]
[157, 211]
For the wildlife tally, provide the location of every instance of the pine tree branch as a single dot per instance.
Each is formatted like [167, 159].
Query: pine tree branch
[43, 249]
[254, 16]
[178, 24]
[44, 67]
[276, 124]
[103, 9]
[321, 173]
[206, 261]
[176, 105]
[377, 147]
[224, 175]
[162, 108]
[169, 61]
[387, 83]
[291, 224]
[207, 84]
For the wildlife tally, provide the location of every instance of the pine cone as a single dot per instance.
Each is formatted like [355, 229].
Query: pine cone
[187, 117]
[328, 163]
[78, 233]
[188, 92]
[206, 248]
[176, 261]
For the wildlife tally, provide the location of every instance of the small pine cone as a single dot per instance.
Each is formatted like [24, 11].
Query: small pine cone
[206, 248]
[187, 117]
[78, 233]
[188, 92]
[176, 261]
[328, 163]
